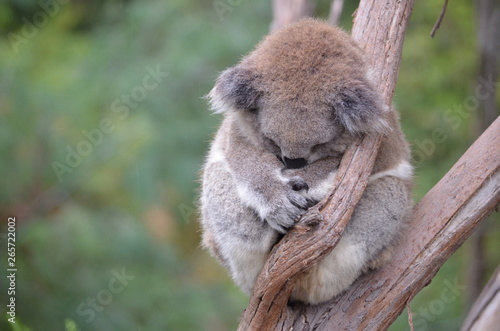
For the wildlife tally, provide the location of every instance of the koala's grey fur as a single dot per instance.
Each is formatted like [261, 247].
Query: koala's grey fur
[291, 107]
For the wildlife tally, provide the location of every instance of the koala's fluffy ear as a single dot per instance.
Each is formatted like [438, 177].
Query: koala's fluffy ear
[235, 89]
[360, 110]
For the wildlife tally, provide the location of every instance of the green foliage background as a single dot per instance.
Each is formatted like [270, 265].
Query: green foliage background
[129, 203]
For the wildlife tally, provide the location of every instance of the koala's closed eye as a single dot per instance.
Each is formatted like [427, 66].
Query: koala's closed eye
[319, 147]
[273, 147]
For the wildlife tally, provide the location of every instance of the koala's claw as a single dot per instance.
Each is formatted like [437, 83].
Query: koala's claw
[286, 212]
[281, 224]
[287, 204]
[298, 184]
[311, 202]
[312, 218]
[298, 205]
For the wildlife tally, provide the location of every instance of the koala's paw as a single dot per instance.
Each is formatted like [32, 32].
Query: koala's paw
[288, 204]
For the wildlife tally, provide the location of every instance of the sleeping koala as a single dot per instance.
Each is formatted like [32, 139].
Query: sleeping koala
[291, 108]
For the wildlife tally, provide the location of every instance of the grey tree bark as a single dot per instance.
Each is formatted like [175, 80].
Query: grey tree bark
[484, 314]
[288, 11]
[488, 45]
[336, 12]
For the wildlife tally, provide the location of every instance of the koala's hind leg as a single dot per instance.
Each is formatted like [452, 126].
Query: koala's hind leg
[232, 232]
[366, 241]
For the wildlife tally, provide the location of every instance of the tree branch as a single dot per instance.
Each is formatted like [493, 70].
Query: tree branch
[379, 28]
[440, 19]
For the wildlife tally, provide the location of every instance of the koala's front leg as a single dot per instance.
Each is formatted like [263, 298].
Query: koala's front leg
[276, 199]
[260, 184]
[233, 232]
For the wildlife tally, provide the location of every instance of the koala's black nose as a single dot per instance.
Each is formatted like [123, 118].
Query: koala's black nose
[294, 163]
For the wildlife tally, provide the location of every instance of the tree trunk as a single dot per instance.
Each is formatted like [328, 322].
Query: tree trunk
[335, 12]
[288, 11]
[488, 44]
[484, 313]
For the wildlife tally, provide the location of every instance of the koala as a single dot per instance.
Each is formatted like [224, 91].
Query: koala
[291, 108]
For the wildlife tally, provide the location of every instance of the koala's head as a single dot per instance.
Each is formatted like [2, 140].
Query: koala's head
[302, 94]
